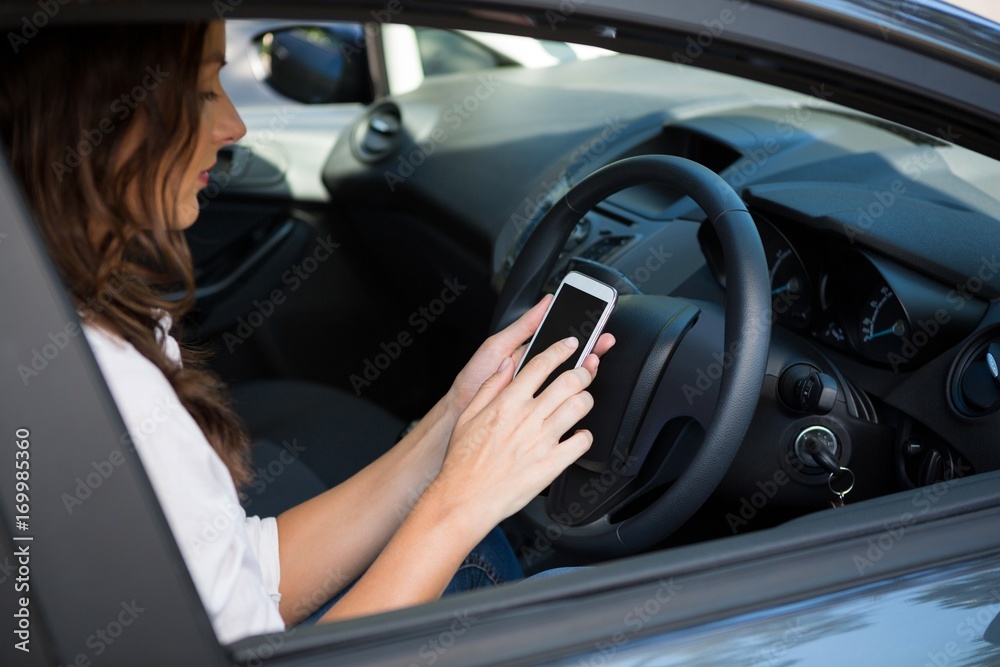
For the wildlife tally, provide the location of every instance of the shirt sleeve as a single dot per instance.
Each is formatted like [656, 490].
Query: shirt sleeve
[232, 560]
[263, 534]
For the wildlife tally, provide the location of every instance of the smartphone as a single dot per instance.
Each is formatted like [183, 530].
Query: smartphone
[580, 309]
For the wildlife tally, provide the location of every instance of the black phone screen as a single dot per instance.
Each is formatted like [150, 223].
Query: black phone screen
[573, 313]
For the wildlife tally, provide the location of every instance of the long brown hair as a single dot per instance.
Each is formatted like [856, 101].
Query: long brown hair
[96, 122]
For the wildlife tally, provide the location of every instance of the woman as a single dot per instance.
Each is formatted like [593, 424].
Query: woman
[112, 132]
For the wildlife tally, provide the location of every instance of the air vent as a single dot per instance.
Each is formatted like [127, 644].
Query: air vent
[600, 250]
[974, 381]
[376, 134]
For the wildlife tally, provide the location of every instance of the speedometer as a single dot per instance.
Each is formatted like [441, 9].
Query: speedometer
[883, 325]
[894, 316]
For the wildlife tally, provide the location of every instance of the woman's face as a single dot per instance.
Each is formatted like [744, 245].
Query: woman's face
[220, 125]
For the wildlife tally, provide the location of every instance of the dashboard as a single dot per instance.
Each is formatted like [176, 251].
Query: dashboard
[882, 243]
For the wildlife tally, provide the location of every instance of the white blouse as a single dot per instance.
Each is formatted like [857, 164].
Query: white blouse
[232, 558]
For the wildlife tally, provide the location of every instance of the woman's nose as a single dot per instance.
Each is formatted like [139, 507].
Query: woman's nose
[230, 128]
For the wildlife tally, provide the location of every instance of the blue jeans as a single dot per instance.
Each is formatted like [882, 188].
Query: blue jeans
[491, 563]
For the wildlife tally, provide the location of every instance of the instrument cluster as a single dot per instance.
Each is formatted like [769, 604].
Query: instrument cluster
[854, 300]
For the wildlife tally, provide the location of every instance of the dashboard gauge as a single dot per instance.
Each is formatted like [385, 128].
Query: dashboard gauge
[883, 325]
[829, 327]
[791, 300]
[832, 334]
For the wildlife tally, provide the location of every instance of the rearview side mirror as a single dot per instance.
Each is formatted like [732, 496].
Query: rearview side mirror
[317, 64]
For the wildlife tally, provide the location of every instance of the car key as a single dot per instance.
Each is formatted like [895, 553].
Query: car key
[839, 501]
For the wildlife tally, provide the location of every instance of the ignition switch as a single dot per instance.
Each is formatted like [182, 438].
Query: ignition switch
[817, 447]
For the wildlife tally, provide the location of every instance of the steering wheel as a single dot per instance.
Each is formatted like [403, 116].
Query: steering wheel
[661, 447]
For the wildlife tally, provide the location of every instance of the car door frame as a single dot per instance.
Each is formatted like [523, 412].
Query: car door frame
[105, 566]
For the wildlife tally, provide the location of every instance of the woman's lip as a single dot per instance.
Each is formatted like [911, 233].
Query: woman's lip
[204, 176]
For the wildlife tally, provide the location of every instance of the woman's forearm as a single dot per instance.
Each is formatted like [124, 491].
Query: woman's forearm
[418, 562]
[327, 542]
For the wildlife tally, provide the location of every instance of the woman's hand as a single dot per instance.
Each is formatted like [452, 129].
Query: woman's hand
[509, 343]
[503, 451]
[506, 445]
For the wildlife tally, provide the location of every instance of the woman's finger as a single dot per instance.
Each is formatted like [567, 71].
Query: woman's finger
[569, 450]
[568, 413]
[537, 369]
[524, 327]
[492, 387]
[561, 389]
[603, 344]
